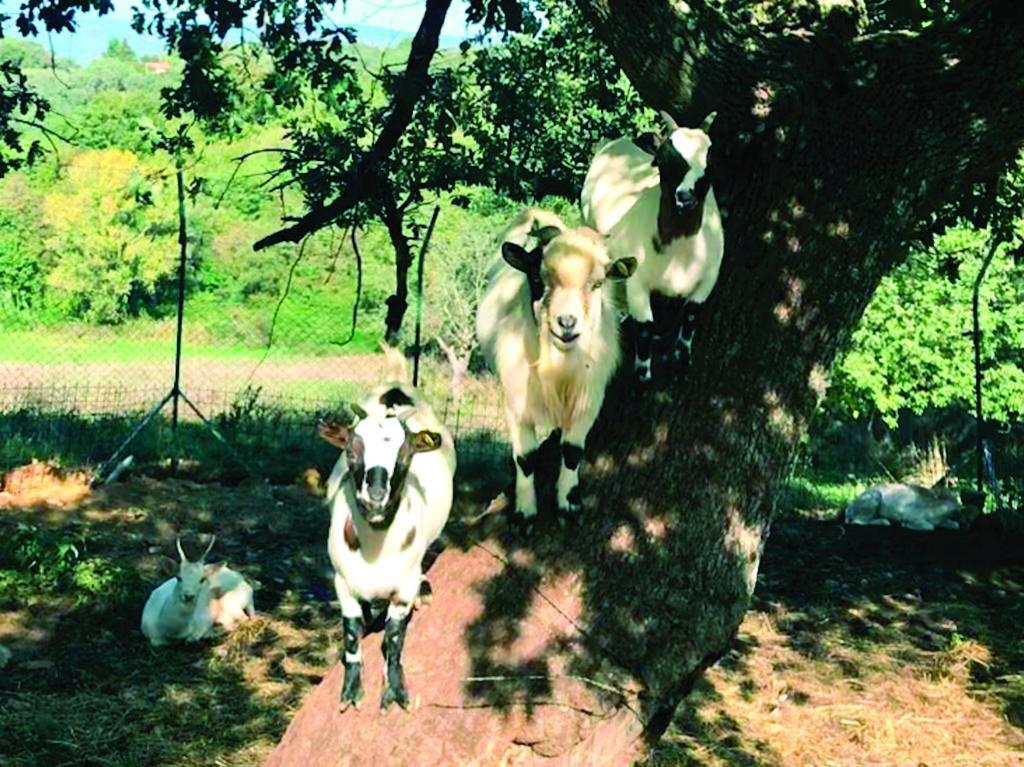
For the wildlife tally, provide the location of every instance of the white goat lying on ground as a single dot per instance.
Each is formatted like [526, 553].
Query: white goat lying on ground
[390, 495]
[548, 327]
[188, 605]
[179, 608]
[910, 506]
[662, 212]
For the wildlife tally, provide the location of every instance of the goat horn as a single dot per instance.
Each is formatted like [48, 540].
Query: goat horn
[181, 551]
[213, 538]
[669, 120]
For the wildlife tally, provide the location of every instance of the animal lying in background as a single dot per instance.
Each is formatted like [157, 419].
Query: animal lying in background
[911, 506]
[390, 495]
[661, 211]
[548, 327]
[178, 609]
[187, 606]
[231, 597]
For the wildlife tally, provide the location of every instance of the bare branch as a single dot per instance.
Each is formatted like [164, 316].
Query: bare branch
[363, 178]
[359, 289]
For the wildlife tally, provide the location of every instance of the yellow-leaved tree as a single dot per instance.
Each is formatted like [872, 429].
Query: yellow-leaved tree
[113, 234]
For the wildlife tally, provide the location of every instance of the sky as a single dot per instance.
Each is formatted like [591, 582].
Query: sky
[378, 22]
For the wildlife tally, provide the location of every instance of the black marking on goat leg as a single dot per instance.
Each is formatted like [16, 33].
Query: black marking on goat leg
[394, 639]
[644, 341]
[527, 462]
[395, 397]
[352, 687]
[575, 501]
[571, 455]
[684, 341]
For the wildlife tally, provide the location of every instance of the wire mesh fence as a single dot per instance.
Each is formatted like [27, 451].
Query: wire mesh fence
[270, 341]
[79, 410]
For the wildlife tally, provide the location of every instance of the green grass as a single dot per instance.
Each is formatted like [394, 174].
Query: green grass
[75, 344]
[820, 497]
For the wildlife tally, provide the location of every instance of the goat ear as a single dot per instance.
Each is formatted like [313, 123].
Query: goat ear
[167, 566]
[706, 125]
[649, 142]
[518, 257]
[621, 269]
[334, 433]
[357, 411]
[668, 120]
[425, 441]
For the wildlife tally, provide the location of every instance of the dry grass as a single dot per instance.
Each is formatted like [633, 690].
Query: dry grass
[791, 710]
[41, 483]
[857, 653]
[840, 665]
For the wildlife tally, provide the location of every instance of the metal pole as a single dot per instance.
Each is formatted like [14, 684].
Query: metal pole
[976, 338]
[182, 238]
[419, 295]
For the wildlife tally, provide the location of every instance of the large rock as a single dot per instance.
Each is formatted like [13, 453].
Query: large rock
[486, 689]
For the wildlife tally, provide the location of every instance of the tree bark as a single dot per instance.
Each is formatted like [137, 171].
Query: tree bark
[393, 216]
[831, 151]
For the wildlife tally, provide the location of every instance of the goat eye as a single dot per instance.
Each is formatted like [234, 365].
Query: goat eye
[597, 285]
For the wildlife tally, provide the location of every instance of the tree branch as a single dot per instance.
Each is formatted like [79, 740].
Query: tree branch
[363, 178]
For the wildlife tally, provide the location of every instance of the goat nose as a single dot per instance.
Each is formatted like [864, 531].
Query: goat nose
[566, 322]
[685, 197]
[377, 483]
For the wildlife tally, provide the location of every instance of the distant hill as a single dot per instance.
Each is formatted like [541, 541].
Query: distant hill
[94, 34]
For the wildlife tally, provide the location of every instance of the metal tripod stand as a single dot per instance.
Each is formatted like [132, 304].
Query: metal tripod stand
[175, 396]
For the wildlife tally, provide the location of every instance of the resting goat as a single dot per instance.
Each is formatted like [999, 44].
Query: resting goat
[179, 608]
[662, 212]
[390, 495]
[549, 329]
[910, 506]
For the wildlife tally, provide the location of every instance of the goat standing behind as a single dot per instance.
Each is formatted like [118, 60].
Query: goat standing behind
[662, 212]
[548, 327]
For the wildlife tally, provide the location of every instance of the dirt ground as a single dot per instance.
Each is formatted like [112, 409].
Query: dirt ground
[863, 647]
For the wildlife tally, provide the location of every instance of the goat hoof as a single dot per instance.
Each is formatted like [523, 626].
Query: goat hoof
[351, 694]
[523, 524]
[397, 695]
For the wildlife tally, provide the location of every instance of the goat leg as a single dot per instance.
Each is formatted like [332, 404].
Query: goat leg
[394, 639]
[352, 687]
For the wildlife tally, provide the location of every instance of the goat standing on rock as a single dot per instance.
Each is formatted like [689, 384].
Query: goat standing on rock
[548, 327]
[662, 212]
[390, 495]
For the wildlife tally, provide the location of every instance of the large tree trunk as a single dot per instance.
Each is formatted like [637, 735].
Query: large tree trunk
[830, 150]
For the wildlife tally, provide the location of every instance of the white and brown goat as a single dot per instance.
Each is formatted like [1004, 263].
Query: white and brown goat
[390, 495]
[661, 211]
[548, 327]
